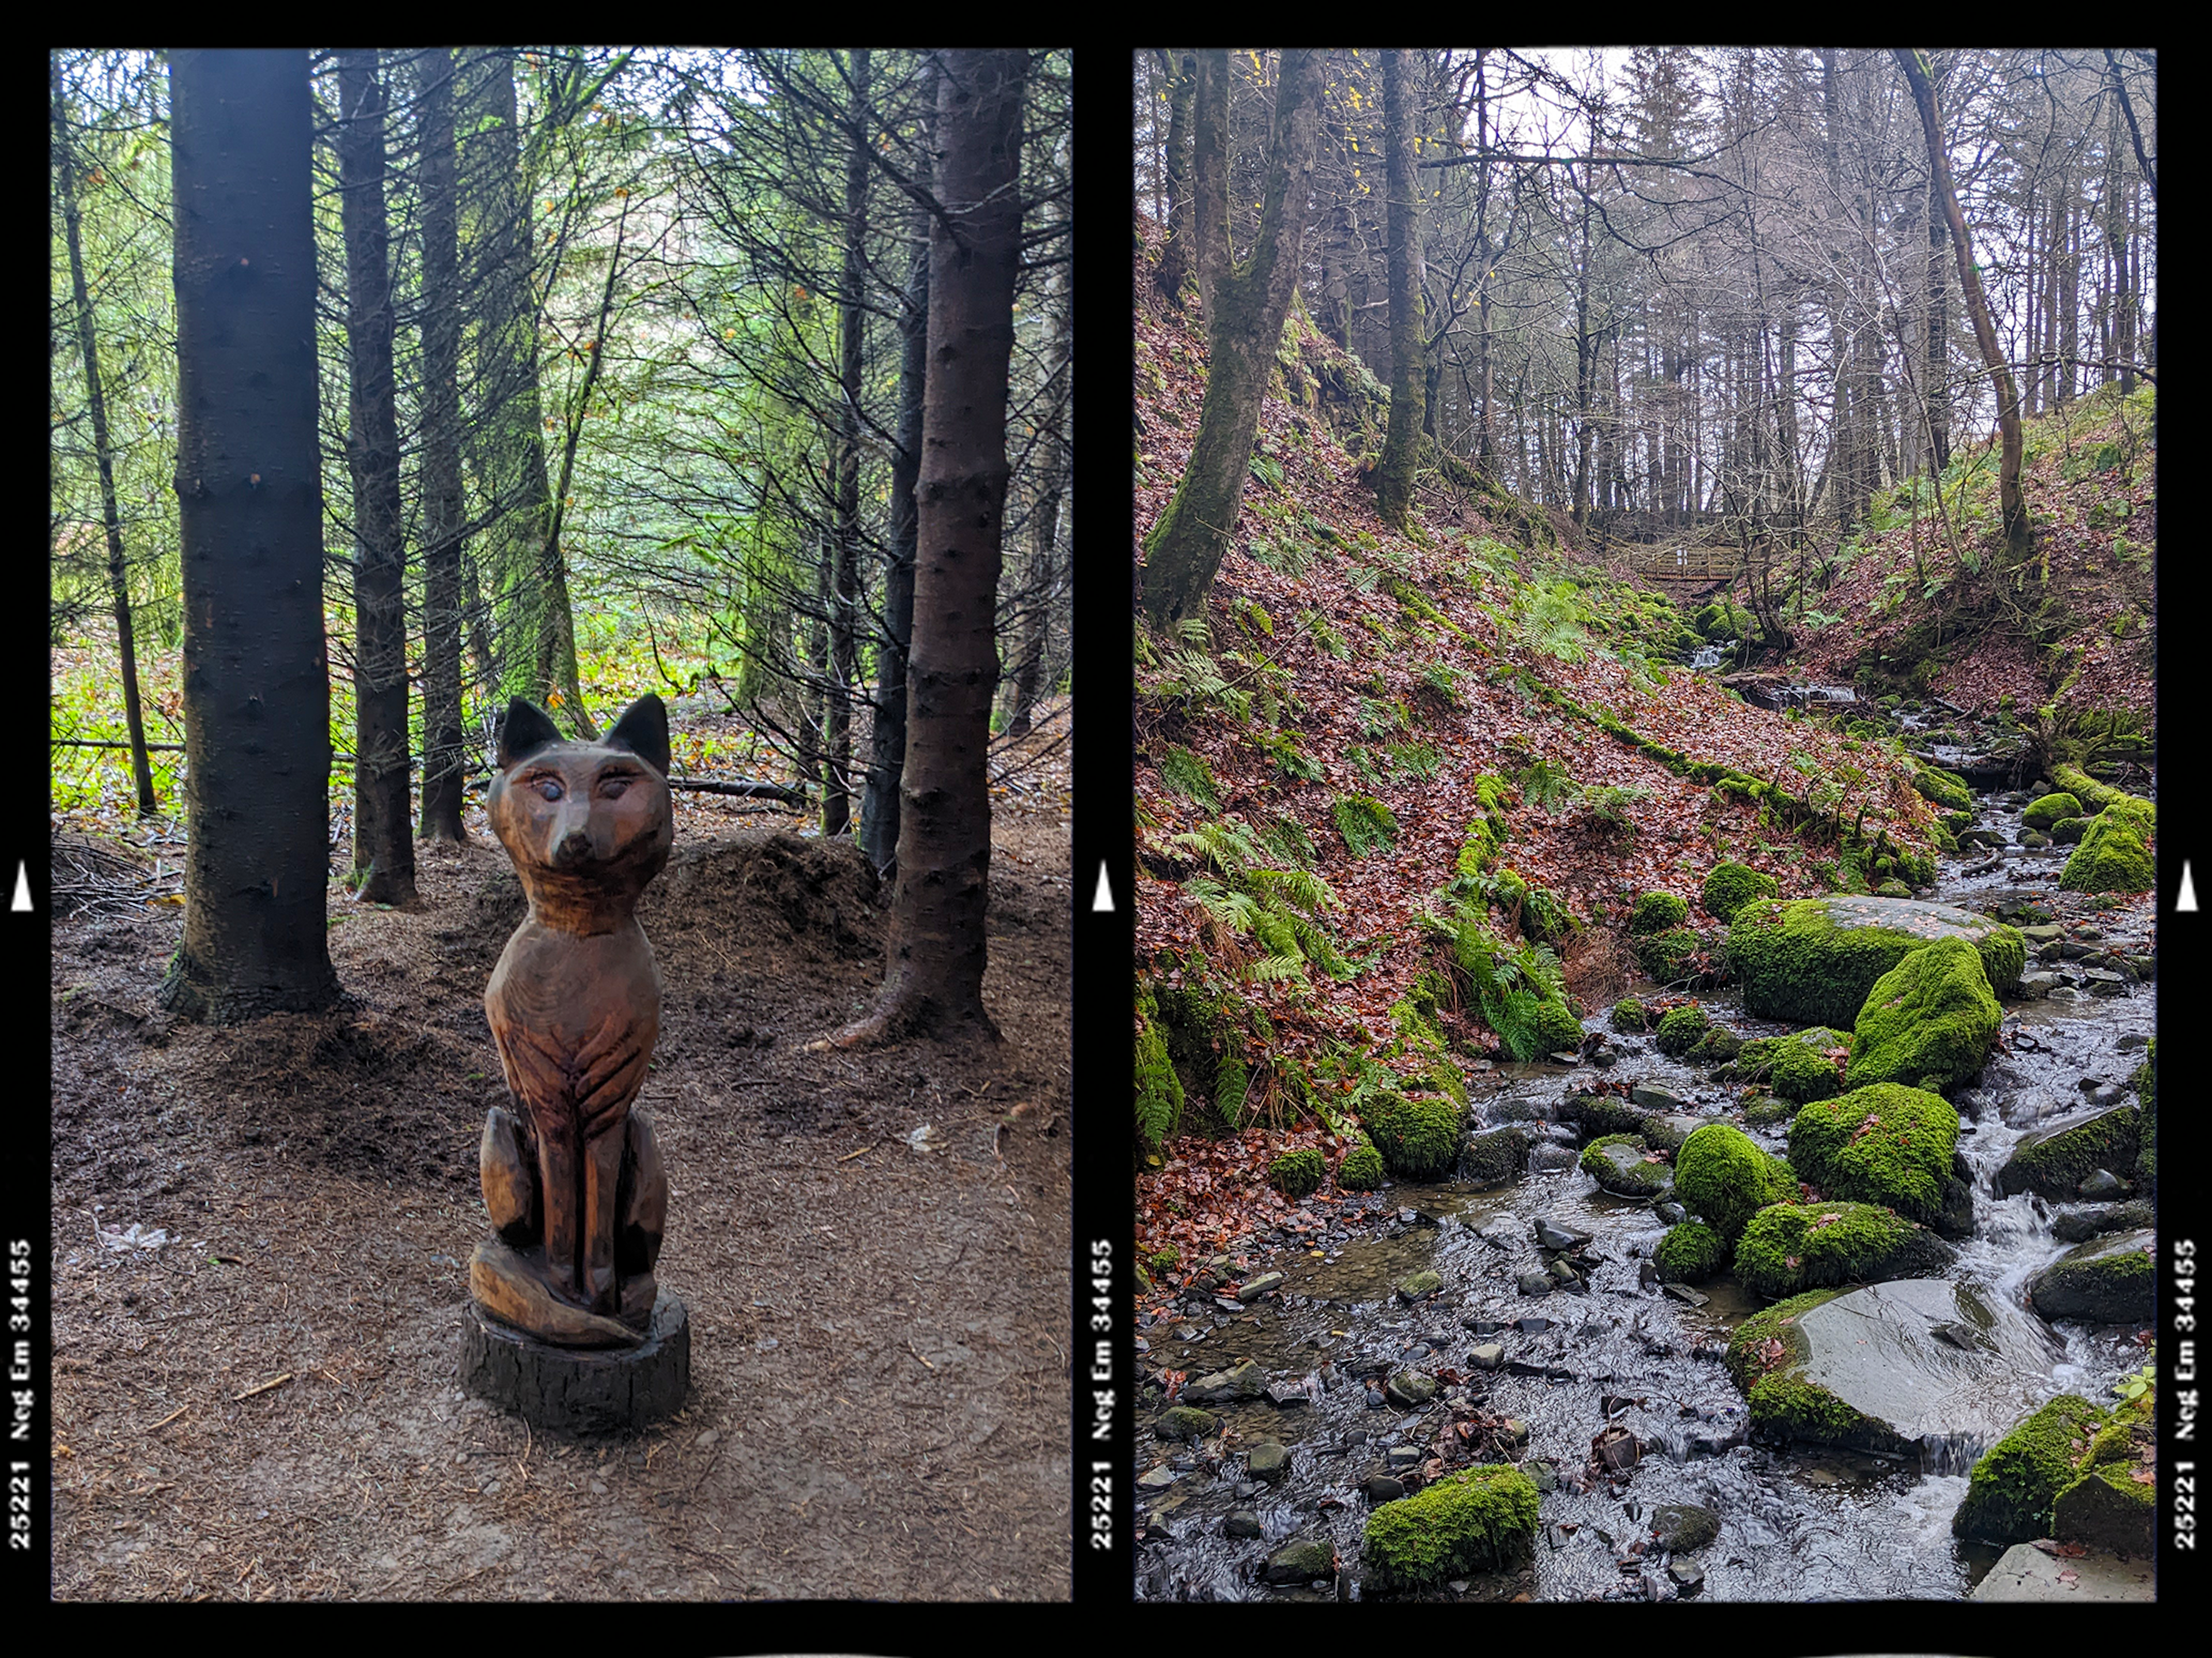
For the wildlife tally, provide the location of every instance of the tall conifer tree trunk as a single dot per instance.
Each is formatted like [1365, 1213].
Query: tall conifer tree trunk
[249, 519]
[844, 580]
[383, 828]
[110, 514]
[534, 635]
[445, 758]
[1245, 304]
[937, 952]
[879, 805]
[1393, 476]
[2012, 504]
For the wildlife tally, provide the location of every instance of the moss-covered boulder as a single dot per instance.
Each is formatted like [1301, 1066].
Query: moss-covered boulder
[2096, 798]
[1362, 1168]
[1601, 1114]
[1418, 1135]
[2112, 857]
[1629, 1014]
[2053, 1161]
[2041, 814]
[2108, 1281]
[1945, 788]
[1727, 1177]
[1929, 1022]
[2012, 1485]
[1814, 960]
[1298, 1174]
[1729, 887]
[1669, 956]
[1887, 1144]
[2105, 1507]
[1657, 912]
[1159, 1090]
[1476, 1519]
[1766, 1110]
[2068, 831]
[1184, 1422]
[1622, 1163]
[1683, 1028]
[1498, 1155]
[1690, 1253]
[1800, 1067]
[1790, 1248]
[1558, 1030]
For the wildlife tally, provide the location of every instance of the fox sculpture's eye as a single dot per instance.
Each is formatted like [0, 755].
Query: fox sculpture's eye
[548, 788]
[613, 787]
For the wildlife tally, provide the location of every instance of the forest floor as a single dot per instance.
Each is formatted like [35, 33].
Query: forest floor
[873, 1246]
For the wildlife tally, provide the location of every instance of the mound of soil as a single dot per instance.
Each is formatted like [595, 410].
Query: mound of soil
[873, 1245]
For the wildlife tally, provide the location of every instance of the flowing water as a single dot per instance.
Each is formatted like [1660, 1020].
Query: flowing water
[1796, 1523]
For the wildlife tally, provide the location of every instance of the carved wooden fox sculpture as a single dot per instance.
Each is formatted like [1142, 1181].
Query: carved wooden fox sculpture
[573, 1179]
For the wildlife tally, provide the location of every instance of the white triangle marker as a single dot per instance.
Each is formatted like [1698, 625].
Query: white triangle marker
[23, 887]
[2185, 899]
[1105, 898]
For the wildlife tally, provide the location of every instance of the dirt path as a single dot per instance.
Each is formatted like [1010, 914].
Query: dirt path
[265, 1406]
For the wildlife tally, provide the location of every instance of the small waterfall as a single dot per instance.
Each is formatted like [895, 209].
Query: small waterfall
[1952, 1453]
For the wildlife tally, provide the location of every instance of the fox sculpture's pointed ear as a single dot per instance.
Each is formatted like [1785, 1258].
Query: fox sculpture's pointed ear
[525, 730]
[643, 729]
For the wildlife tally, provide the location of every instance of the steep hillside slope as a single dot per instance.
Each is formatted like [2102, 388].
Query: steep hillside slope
[1397, 795]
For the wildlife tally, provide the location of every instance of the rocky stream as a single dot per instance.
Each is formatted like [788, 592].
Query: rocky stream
[1545, 1340]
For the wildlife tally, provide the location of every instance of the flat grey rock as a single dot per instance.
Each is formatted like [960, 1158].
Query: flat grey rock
[2026, 1573]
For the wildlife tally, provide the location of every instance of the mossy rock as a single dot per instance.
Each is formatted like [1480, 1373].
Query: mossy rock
[1720, 620]
[1790, 1248]
[2043, 813]
[1361, 1170]
[1668, 957]
[1729, 887]
[1727, 1177]
[1617, 1162]
[2097, 798]
[2068, 831]
[1629, 1014]
[1418, 1135]
[1498, 1155]
[2012, 1485]
[1887, 1144]
[2105, 1507]
[1945, 788]
[1917, 868]
[2111, 858]
[1797, 1067]
[2053, 1161]
[1683, 1028]
[1814, 960]
[1471, 1520]
[1558, 1030]
[1184, 1422]
[1601, 1114]
[1159, 1090]
[1298, 1174]
[2108, 1281]
[1657, 912]
[1690, 1253]
[1718, 1046]
[1769, 1339]
[1765, 1110]
[1929, 1022]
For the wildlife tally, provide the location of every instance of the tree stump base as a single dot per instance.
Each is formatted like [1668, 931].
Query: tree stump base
[572, 1390]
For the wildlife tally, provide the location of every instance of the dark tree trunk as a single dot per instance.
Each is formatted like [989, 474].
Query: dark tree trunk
[1938, 390]
[2012, 504]
[1393, 475]
[533, 636]
[844, 580]
[111, 516]
[1175, 265]
[935, 977]
[445, 754]
[250, 501]
[879, 806]
[1246, 303]
[1050, 526]
[383, 828]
